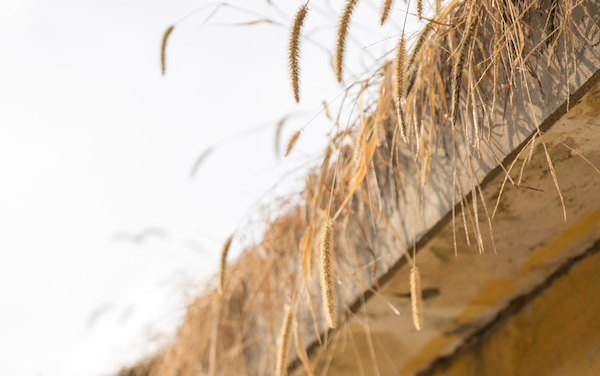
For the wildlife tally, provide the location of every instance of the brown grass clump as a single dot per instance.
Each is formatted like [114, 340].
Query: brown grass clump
[163, 49]
[223, 269]
[284, 343]
[342, 33]
[294, 50]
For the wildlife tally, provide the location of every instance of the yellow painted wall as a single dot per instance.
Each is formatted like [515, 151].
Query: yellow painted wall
[557, 333]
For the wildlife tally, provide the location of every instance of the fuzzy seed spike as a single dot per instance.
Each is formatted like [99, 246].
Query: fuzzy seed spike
[416, 298]
[284, 343]
[418, 45]
[419, 10]
[399, 71]
[163, 49]
[342, 33]
[222, 271]
[294, 50]
[291, 142]
[385, 10]
[327, 277]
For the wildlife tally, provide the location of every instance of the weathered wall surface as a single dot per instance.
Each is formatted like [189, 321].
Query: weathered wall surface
[558, 333]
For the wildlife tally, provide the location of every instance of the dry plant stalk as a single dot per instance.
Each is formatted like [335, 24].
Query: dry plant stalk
[416, 298]
[342, 33]
[460, 62]
[292, 142]
[294, 50]
[385, 10]
[327, 277]
[222, 271]
[284, 343]
[163, 49]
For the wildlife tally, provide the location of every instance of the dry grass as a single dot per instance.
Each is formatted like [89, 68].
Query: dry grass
[469, 78]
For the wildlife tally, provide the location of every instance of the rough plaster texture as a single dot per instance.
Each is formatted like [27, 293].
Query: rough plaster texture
[556, 333]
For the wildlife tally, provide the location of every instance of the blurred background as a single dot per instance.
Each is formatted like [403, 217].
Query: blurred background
[118, 186]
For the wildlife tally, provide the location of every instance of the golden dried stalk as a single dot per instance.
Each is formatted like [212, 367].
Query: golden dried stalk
[327, 277]
[294, 50]
[342, 32]
[416, 298]
[284, 343]
[224, 263]
[292, 142]
[163, 49]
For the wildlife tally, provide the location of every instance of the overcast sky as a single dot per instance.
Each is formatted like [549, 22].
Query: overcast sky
[96, 147]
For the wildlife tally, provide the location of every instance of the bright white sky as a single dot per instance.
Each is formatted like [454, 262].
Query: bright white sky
[94, 142]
